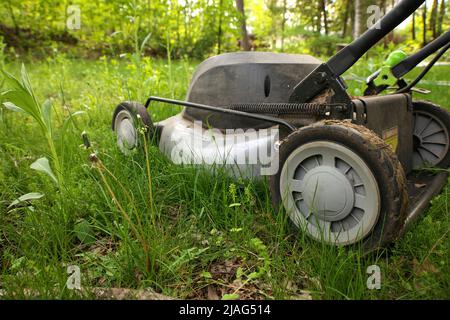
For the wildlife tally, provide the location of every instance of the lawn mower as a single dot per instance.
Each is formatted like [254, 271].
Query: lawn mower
[341, 168]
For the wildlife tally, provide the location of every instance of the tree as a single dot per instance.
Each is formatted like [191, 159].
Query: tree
[219, 30]
[323, 11]
[441, 18]
[199, 28]
[347, 9]
[283, 24]
[361, 15]
[274, 10]
[424, 20]
[433, 18]
[358, 28]
[245, 41]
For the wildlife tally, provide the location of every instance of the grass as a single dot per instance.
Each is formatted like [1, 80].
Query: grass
[139, 221]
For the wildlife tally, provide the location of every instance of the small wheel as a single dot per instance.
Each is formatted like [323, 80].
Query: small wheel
[431, 135]
[127, 117]
[341, 184]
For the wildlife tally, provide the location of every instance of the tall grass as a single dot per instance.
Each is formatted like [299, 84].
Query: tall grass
[140, 221]
[19, 96]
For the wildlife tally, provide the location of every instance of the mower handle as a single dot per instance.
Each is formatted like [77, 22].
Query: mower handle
[425, 71]
[347, 57]
[409, 63]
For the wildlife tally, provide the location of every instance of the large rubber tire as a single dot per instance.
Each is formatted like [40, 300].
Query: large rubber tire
[385, 170]
[431, 133]
[128, 118]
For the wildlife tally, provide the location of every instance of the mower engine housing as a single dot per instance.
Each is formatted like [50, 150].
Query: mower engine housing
[244, 77]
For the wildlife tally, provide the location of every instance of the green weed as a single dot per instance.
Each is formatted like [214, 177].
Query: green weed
[139, 221]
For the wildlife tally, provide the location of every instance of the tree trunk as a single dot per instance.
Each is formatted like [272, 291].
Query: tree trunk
[433, 18]
[245, 42]
[273, 28]
[346, 14]
[424, 30]
[352, 18]
[413, 27]
[219, 31]
[323, 9]
[178, 25]
[358, 28]
[283, 24]
[441, 18]
[319, 17]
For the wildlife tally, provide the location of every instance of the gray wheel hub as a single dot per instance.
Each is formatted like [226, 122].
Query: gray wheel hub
[330, 192]
[126, 131]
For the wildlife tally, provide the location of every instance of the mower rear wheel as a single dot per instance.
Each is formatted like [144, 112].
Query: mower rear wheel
[341, 184]
[431, 135]
[128, 118]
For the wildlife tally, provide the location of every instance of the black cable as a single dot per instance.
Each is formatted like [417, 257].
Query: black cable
[425, 71]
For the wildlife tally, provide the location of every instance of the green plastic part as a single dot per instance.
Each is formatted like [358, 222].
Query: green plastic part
[385, 77]
[394, 58]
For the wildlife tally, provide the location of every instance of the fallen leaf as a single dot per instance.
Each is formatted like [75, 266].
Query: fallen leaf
[425, 266]
[212, 293]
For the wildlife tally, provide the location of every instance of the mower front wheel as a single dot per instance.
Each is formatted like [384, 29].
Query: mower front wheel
[341, 184]
[129, 117]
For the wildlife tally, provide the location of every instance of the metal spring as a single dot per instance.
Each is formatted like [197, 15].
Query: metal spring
[283, 108]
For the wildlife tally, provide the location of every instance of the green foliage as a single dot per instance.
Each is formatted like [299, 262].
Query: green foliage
[184, 230]
[138, 221]
[116, 27]
[20, 97]
[319, 46]
[83, 231]
[193, 28]
[230, 296]
[42, 165]
[26, 197]
[2, 53]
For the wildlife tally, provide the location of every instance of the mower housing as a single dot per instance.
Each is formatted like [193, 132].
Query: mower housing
[244, 77]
